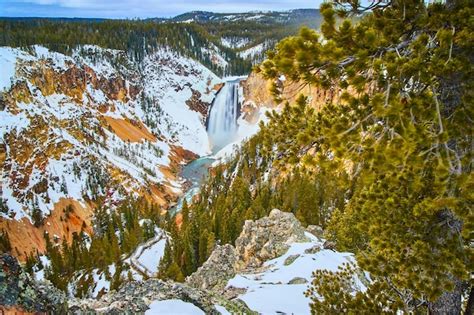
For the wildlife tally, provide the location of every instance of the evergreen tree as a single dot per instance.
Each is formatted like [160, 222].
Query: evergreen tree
[403, 120]
[5, 245]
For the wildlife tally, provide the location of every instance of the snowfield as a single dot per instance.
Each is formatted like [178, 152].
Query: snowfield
[176, 307]
[146, 257]
[270, 292]
[166, 83]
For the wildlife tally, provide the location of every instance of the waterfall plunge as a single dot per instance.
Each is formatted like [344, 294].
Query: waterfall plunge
[222, 123]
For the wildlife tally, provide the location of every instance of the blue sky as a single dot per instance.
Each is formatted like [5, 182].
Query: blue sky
[140, 8]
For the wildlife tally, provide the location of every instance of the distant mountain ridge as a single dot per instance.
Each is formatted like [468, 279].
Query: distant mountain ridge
[287, 16]
[282, 17]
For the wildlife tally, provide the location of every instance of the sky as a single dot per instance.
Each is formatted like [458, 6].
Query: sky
[140, 8]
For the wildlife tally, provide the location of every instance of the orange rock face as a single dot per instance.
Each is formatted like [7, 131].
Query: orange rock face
[256, 93]
[25, 238]
[127, 130]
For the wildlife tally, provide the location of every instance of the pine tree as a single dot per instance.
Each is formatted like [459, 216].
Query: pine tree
[402, 120]
[5, 245]
[185, 212]
[37, 215]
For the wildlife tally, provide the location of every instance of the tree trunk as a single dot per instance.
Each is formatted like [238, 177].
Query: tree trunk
[470, 303]
[449, 303]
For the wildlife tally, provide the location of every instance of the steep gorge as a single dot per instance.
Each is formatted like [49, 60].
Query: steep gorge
[93, 127]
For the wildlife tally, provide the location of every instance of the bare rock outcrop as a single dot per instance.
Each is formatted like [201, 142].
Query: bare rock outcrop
[316, 230]
[135, 298]
[259, 241]
[267, 238]
[219, 267]
[196, 104]
[20, 293]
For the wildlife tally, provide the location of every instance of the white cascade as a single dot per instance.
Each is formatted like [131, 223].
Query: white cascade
[222, 124]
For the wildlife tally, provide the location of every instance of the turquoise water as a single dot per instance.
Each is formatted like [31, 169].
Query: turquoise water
[196, 173]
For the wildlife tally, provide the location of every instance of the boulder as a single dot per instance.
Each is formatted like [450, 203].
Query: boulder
[298, 280]
[267, 238]
[316, 230]
[215, 272]
[329, 245]
[313, 250]
[290, 259]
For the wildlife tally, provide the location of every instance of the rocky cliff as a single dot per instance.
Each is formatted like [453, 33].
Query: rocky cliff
[257, 95]
[94, 124]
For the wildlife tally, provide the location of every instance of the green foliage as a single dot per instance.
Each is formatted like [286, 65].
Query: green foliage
[247, 189]
[116, 234]
[402, 130]
[335, 297]
[3, 206]
[5, 245]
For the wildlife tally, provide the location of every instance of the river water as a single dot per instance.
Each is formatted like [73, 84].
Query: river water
[195, 173]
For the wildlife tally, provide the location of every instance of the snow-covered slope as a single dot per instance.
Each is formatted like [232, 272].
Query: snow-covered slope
[172, 81]
[235, 42]
[95, 123]
[257, 52]
[288, 276]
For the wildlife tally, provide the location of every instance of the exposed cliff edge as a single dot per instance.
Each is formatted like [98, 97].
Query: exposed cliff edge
[257, 95]
[273, 255]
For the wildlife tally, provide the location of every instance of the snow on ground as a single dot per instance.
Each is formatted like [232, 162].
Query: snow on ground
[9, 121]
[173, 306]
[45, 262]
[253, 51]
[168, 84]
[221, 310]
[8, 60]
[147, 256]
[215, 55]
[7, 64]
[101, 283]
[170, 80]
[150, 258]
[235, 42]
[269, 292]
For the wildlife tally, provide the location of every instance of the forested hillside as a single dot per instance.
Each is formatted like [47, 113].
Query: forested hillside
[206, 40]
[137, 38]
[385, 166]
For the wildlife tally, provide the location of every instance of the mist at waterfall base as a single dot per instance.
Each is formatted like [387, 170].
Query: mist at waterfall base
[222, 123]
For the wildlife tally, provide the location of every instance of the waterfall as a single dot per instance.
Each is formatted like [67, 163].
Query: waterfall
[222, 123]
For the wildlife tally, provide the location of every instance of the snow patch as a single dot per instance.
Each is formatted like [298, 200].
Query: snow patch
[173, 306]
[262, 288]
